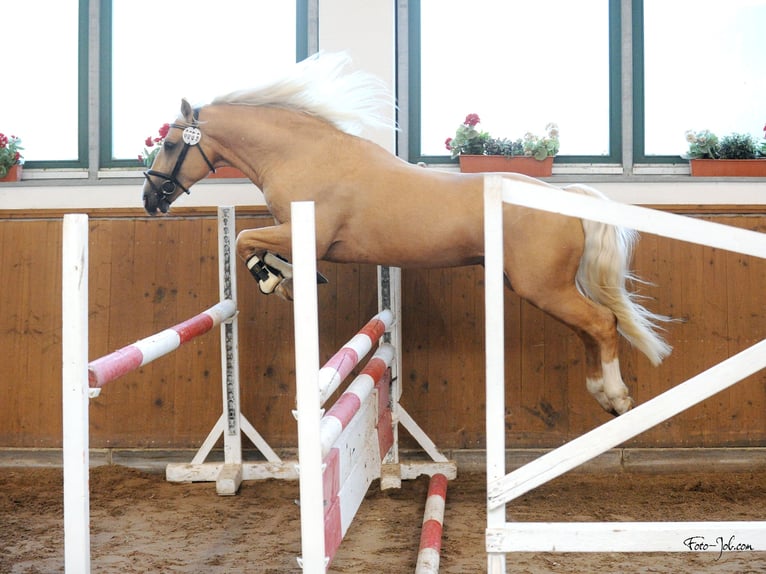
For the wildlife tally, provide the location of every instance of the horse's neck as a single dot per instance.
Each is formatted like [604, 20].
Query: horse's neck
[288, 155]
[259, 135]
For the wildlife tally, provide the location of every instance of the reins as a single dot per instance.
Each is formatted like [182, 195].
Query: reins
[191, 138]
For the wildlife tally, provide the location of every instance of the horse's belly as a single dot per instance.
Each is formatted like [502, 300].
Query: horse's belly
[412, 248]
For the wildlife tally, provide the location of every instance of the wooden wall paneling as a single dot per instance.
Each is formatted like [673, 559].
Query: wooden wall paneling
[195, 390]
[689, 425]
[147, 274]
[746, 320]
[417, 310]
[154, 391]
[16, 383]
[553, 410]
[37, 320]
[45, 323]
[266, 351]
[120, 413]
[461, 381]
[579, 411]
[13, 377]
[29, 333]
[713, 286]
[533, 390]
[514, 368]
[652, 267]
[443, 372]
[431, 411]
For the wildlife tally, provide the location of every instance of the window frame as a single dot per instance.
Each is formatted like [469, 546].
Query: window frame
[640, 157]
[105, 113]
[639, 101]
[615, 155]
[83, 63]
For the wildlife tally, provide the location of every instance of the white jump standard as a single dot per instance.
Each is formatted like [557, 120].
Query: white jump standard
[81, 381]
[341, 452]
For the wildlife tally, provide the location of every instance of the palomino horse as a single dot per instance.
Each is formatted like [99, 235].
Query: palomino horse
[294, 139]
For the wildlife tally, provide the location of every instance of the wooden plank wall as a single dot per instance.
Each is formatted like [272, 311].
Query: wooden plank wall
[147, 274]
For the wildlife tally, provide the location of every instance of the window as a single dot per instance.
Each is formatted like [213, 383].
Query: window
[43, 74]
[519, 66]
[163, 51]
[150, 55]
[704, 67]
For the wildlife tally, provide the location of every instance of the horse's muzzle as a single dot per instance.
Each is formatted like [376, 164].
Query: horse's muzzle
[154, 202]
[155, 198]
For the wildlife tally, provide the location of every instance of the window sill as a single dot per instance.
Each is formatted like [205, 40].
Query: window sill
[663, 185]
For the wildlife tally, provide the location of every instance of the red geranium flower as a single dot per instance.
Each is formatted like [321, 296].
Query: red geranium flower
[149, 142]
[164, 129]
[472, 120]
[448, 143]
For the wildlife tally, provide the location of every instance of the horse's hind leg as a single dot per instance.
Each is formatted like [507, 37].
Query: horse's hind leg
[596, 326]
[546, 279]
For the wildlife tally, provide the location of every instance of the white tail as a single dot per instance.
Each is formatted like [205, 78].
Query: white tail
[602, 276]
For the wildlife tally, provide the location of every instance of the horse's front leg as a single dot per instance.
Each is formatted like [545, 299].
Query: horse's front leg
[264, 250]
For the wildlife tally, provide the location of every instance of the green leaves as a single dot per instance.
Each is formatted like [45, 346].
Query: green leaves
[470, 141]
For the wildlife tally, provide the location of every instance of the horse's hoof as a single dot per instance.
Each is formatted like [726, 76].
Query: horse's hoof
[621, 406]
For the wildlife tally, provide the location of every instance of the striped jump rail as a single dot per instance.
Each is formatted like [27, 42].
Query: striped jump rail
[355, 435]
[337, 418]
[334, 372]
[433, 522]
[109, 367]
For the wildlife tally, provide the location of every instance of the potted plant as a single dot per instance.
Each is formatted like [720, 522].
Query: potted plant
[153, 144]
[11, 160]
[732, 155]
[478, 151]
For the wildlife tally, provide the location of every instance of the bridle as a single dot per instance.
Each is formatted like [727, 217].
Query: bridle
[191, 137]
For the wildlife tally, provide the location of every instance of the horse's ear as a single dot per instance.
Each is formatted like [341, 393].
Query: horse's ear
[186, 111]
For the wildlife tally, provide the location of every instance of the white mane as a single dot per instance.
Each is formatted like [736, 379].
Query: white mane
[317, 86]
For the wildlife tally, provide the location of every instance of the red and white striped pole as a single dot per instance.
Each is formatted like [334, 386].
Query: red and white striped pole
[348, 404]
[433, 522]
[333, 373]
[140, 353]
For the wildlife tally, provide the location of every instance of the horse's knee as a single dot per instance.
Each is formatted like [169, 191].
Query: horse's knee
[245, 244]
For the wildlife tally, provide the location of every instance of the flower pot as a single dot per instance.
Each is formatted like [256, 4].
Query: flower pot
[14, 174]
[515, 164]
[728, 167]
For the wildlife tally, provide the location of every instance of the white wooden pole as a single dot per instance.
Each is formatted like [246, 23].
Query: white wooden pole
[75, 397]
[635, 217]
[306, 313]
[495, 349]
[626, 426]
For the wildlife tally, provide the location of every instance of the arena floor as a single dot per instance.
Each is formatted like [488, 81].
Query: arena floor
[141, 523]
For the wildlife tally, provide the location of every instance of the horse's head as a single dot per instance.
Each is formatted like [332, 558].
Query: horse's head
[174, 170]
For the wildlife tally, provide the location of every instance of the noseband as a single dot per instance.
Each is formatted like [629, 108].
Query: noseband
[191, 138]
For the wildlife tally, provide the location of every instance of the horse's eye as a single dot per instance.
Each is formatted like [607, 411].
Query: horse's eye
[168, 145]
